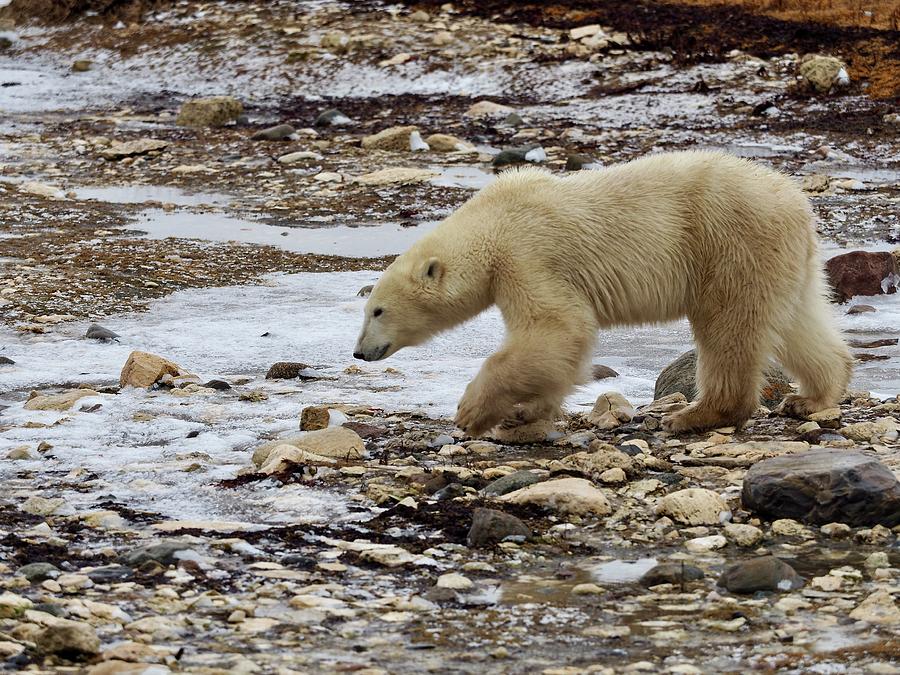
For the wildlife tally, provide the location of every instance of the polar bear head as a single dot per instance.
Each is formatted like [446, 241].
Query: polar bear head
[407, 306]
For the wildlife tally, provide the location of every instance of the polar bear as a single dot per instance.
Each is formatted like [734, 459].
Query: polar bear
[725, 242]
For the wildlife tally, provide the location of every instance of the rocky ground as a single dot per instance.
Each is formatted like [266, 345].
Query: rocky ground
[159, 522]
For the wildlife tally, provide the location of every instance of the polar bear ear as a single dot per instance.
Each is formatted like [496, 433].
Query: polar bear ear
[432, 270]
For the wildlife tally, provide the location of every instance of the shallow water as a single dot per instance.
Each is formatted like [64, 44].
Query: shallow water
[139, 194]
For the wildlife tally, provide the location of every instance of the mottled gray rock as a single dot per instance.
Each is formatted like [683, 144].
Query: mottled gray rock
[760, 574]
[219, 385]
[671, 573]
[6, 361]
[490, 527]
[331, 117]
[510, 156]
[97, 332]
[365, 291]
[38, 571]
[513, 120]
[511, 482]
[681, 376]
[824, 486]
[162, 552]
[276, 133]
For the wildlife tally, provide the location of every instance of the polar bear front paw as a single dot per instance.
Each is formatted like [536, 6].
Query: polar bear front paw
[476, 414]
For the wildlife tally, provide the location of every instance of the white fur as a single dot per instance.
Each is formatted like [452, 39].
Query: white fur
[726, 242]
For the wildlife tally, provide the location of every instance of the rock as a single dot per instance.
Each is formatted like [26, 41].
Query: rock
[164, 552]
[601, 372]
[613, 476]
[883, 428]
[512, 482]
[41, 190]
[334, 442]
[365, 291]
[447, 143]
[746, 536]
[328, 177]
[73, 640]
[443, 38]
[487, 109]
[861, 309]
[694, 506]
[824, 486]
[286, 370]
[276, 133]
[215, 111]
[20, 453]
[142, 146]
[12, 605]
[580, 32]
[6, 361]
[815, 183]
[821, 73]
[760, 574]
[490, 527]
[284, 458]
[98, 332]
[610, 411]
[588, 589]
[592, 463]
[143, 369]
[218, 385]
[37, 572]
[576, 162]
[314, 417]
[879, 608]
[836, 530]
[680, 376]
[81, 66]
[519, 155]
[397, 175]
[513, 120]
[706, 544]
[302, 155]
[60, 402]
[671, 573]
[331, 117]
[862, 273]
[392, 138]
[572, 496]
[455, 582]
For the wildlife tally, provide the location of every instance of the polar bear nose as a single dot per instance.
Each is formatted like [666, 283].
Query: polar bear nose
[359, 355]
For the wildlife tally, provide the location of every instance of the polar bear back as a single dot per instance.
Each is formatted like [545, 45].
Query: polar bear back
[648, 240]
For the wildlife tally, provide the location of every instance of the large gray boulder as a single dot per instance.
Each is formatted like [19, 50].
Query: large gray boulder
[681, 376]
[824, 486]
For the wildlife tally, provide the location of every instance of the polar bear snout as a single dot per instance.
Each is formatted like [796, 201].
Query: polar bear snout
[371, 354]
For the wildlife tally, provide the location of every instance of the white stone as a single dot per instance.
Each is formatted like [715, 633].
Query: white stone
[575, 496]
[694, 506]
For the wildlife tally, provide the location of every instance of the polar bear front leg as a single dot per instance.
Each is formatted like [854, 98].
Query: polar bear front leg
[536, 368]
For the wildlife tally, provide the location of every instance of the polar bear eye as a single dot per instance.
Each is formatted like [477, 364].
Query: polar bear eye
[378, 312]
